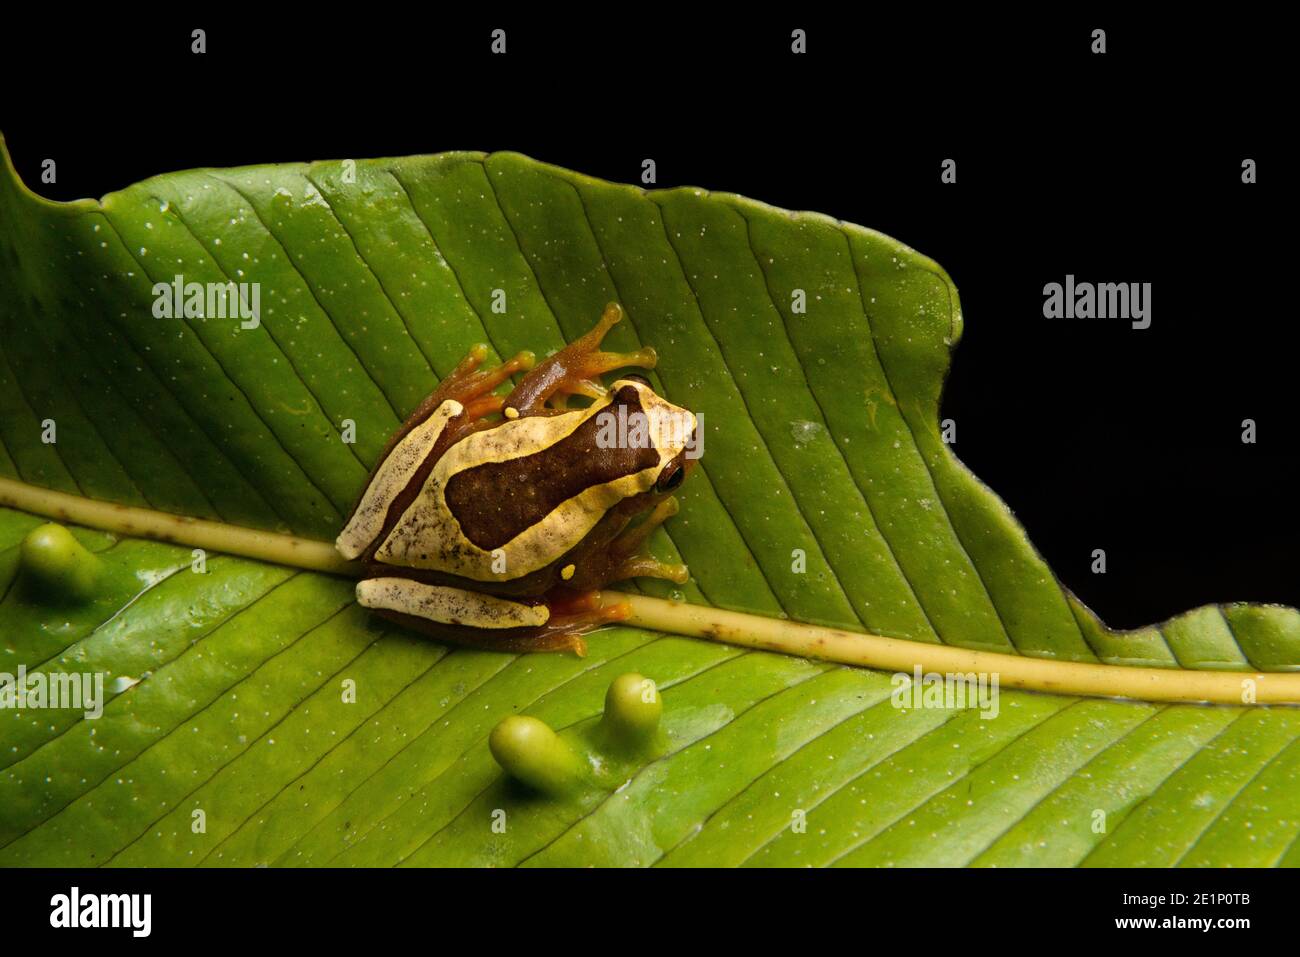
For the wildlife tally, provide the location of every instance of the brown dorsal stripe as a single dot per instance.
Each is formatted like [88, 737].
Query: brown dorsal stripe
[496, 501]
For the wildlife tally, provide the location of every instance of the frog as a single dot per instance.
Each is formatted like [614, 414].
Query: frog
[495, 521]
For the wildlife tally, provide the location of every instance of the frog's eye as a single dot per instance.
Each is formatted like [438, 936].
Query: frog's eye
[633, 377]
[670, 477]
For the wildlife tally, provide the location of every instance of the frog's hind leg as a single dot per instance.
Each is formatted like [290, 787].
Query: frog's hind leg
[573, 614]
[560, 636]
[484, 621]
[471, 386]
[573, 370]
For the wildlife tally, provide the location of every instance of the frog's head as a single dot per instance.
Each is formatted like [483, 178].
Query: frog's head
[646, 423]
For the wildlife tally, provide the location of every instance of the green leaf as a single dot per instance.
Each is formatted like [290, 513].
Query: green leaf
[227, 691]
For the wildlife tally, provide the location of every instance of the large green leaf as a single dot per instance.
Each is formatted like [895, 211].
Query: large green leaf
[821, 432]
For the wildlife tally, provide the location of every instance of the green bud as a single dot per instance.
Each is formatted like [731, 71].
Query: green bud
[60, 564]
[529, 750]
[632, 709]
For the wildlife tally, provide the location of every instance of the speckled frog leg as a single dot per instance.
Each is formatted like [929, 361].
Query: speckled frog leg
[476, 620]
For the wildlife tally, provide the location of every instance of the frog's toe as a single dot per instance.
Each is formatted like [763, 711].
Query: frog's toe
[610, 316]
[465, 369]
[647, 566]
[483, 405]
[485, 380]
[598, 362]
[474, 358]
[585, 387]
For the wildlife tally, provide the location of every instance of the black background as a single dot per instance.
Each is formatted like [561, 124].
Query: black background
[1117, 168]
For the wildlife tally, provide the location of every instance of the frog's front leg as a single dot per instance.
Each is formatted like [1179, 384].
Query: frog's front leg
[620, 559]
[573, 370]
[624, 549]
[484, 621]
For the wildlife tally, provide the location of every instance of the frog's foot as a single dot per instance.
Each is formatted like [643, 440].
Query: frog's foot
[573, 370]
[470, 386]
[559, 399]
[573, 614]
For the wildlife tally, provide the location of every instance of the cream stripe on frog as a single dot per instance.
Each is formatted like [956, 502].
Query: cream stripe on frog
[394, 475]
[451, 606]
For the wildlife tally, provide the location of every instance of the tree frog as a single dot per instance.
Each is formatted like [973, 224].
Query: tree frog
[492, 521]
